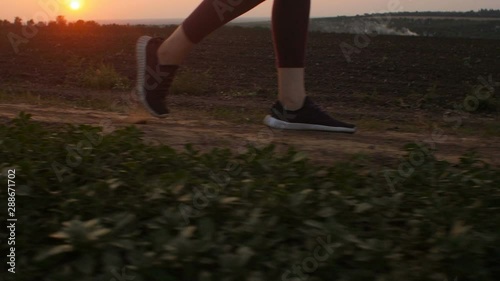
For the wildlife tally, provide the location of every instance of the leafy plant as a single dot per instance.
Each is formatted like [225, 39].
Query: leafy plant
[114, 206]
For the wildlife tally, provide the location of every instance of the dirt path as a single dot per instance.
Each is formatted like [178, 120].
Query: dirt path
[189, 126]
[393, 86]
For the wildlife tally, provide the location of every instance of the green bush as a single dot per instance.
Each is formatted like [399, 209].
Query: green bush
[96, 206]
[192, 83]
[103, 77]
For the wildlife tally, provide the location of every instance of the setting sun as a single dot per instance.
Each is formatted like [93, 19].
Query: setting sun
[75, 5]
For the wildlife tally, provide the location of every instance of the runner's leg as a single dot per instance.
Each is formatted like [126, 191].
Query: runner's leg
[290, 28]
[205, 19]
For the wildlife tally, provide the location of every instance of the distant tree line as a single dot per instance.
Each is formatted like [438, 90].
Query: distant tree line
[483, 13]
[59, 22]
[452, 27]
[433, 24]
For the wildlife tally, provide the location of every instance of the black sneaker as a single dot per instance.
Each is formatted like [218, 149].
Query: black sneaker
[153, 79]
[309, 117]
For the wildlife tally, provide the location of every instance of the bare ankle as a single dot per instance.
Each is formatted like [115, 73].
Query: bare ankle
[163, 56]
[175, 49]
[292, 104]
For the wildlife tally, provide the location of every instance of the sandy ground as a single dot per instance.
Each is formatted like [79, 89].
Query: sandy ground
[195, 127]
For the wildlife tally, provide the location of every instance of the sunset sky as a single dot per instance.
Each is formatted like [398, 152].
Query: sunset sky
[158, 9]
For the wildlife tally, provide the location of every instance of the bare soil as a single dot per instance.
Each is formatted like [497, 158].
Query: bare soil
[398, 90]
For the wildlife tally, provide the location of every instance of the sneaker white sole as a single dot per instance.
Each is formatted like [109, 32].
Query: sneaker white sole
[282, 125]
[140, 53]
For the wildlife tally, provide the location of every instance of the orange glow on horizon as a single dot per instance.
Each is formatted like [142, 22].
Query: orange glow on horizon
[180, 9]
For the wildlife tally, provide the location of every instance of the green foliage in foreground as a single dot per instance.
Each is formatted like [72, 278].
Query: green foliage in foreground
[130, 211]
